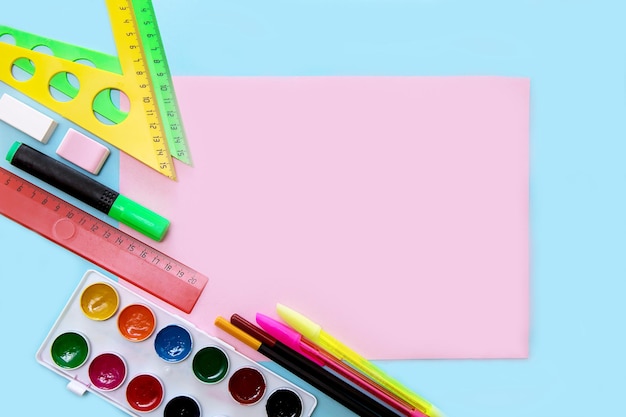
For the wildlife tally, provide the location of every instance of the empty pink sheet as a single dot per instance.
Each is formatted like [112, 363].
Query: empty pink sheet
[391, 210]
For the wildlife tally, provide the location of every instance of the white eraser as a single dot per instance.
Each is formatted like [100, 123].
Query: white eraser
[23, 117]
[83, 151]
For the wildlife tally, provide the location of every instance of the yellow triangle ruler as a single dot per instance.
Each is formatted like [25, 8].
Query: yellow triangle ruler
[103, 105]
[141, 133]
[145, 18]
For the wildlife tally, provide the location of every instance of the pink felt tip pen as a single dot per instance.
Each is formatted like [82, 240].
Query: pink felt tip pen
[294, 340]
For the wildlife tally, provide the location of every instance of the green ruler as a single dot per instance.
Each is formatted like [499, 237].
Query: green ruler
[103, 104]
[135, 30]
[158, 67]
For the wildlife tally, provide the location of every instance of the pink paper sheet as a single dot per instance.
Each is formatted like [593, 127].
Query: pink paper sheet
[391, 210]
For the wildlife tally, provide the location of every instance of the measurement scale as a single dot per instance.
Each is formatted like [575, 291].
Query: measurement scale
[155, 58]
[103, 104]
[99, 242]
[141, 134]
[152, 46]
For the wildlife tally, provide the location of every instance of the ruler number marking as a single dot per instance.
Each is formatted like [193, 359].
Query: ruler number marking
[158, 71]
[142, 71]
[88, 222]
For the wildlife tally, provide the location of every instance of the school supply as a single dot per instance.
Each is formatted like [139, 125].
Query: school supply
[23, 117]
[148, 362]
[141, 132]
[83, 151]
[88, 190]
[142, 12]
[99, 242]
[294, 340]
[328, 343]
[336, 388]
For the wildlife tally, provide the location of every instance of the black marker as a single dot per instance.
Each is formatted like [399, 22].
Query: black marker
[88, 190]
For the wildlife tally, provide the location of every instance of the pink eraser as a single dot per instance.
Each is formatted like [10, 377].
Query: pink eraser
[83, 151]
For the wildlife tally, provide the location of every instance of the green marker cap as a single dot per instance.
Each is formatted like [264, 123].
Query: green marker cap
[16, 145]
[139, 218]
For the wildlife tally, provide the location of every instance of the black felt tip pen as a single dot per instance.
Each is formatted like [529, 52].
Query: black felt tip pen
[329, 383]
[87, 190]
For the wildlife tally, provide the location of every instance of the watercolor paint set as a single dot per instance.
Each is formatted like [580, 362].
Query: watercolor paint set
[147, 361]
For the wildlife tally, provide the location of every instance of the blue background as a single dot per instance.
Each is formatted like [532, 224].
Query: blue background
[573, 51]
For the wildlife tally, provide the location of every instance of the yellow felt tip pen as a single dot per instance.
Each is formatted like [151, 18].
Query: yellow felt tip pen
[313, 331]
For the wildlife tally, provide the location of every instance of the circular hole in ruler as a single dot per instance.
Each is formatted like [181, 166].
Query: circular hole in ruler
[63, 86]
[7, 38]
[111, 106]
[22, 69]
[85, 62]
[73, 80]
[43, 49]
